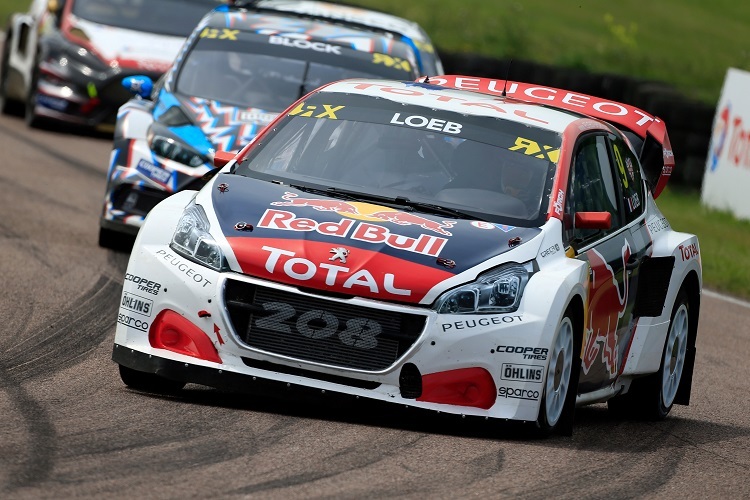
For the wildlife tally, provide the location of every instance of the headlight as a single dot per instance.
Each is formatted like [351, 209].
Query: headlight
[166, 147]
[192, 240]
[497, 291]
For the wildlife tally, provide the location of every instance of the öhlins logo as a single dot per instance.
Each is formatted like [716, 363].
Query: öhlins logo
[522, 373]
[137, 304]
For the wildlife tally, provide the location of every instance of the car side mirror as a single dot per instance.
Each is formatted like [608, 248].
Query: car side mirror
[593, 220]
[221, 158]
[139, 85]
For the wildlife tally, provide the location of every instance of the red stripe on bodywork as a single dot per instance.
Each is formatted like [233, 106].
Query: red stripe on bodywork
[313, 264]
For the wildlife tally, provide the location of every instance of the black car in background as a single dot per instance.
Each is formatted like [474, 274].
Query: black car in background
[64, 60]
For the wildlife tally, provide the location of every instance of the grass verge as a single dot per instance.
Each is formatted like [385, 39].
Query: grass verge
[724, 240]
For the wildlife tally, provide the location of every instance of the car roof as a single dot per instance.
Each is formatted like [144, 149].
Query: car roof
[277, 23]
[347, 14]
[459, 101]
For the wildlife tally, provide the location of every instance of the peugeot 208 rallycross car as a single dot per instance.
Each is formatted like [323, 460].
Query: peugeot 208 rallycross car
[472, 253]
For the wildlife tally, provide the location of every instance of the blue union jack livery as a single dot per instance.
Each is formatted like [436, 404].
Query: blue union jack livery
[236, 72]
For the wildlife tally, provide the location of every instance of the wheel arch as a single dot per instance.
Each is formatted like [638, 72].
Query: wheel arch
[574, 309]
[691, 286]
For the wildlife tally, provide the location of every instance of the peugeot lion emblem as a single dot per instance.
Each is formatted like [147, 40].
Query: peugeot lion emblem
[339, 253]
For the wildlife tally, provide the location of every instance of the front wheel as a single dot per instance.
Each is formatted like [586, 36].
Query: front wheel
[560, 384]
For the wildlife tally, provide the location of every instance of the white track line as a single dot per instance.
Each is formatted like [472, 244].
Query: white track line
[726, 298]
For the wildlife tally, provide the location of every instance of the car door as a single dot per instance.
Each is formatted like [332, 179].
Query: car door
[613, 255]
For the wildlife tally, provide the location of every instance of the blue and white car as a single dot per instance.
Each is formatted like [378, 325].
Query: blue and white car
[236, 72]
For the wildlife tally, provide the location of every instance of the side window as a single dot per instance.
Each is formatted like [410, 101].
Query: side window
[591, 189]
[628, 171]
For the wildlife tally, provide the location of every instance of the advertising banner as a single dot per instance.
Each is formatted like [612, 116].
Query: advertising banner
[726, 183]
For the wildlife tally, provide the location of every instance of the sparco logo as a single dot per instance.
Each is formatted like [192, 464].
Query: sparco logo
[527, 352]
[522, 373]
[144, 285]
[132, 322]
[140, 305]
[510, 392]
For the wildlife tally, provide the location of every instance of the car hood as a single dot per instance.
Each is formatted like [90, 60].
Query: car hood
[355, 248]
[128, 48]
[226, 126]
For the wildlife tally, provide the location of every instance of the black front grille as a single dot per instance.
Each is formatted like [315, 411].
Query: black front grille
[137, 200]
[317, 329]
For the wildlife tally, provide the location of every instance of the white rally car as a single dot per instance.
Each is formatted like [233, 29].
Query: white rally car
[469, 246]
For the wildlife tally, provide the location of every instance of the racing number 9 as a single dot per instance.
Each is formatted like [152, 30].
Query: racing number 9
[360, 332]
[620, 165]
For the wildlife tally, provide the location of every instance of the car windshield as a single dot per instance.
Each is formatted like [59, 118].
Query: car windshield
[164, 17]
[477, 165]
[269, 77]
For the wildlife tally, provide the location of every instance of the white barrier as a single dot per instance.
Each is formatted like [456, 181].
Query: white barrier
[726, 183]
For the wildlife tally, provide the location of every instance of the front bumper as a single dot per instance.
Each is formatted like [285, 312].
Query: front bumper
[446, 345]
[89, 101]
[137, 181]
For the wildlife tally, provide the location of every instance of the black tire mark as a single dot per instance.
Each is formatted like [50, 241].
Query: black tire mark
[36, 463]
[29, 247]
[652, 460]
[54, 347]
[433, 484]
[349, 459]
[71, 161]
[69, 338]
[118, 262]
[179, 436]
[39, 197]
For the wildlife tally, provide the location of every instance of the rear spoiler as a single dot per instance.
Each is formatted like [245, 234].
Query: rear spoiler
[655, 151]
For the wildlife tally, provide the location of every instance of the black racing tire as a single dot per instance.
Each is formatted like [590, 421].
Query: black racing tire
[149, 382]
[560, 384]
[7, 106]
[115, 240]
[652, 397]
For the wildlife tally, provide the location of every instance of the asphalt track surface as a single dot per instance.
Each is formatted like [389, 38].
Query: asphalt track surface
[70, 428]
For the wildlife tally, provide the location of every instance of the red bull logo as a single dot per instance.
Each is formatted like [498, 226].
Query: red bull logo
[366, 211]
[319, 204]
[425, 244]
[606, 308]
[408, 219]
